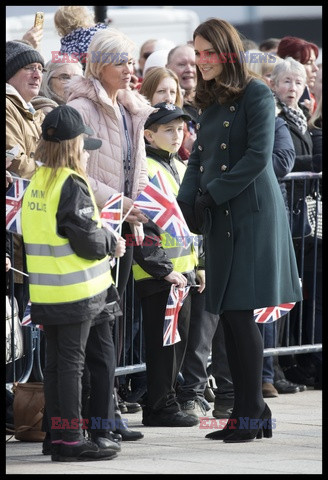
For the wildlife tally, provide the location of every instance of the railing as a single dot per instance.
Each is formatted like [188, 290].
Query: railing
[296, 333]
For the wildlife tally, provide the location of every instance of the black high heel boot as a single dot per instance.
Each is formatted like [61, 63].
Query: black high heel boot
[230, 427]
[247, 435]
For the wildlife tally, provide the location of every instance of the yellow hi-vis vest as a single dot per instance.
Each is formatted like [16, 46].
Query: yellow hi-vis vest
[56, 273]
[184, 260]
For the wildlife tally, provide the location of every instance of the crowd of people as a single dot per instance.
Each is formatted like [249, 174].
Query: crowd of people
[223, 135]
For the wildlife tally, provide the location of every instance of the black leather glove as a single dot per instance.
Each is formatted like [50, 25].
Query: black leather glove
[203, 201]
[188, 213]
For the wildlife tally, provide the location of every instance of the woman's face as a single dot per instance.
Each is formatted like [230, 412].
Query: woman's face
[116, 76]
[166, 91]
[289, 88]
[207, 60]
[60, 80]
[311, 70]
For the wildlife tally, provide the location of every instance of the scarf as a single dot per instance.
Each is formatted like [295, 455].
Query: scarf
[295, 115]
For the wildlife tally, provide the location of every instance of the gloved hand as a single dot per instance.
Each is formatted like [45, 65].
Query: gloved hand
[202, 201]
[188, 213]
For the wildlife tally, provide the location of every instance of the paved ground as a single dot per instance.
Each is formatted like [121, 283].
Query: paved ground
[295, 448]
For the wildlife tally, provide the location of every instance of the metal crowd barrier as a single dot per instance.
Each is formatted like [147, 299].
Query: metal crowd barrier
[292, 334]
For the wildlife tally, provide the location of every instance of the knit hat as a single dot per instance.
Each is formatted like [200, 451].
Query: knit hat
[18, 55]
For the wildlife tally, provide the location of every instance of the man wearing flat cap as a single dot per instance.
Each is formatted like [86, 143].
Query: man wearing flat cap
[24, 67]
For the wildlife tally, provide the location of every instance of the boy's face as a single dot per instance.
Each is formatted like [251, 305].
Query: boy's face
[168, 136]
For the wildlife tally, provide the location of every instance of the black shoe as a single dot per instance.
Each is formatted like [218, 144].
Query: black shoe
[123, 430]
[85, 451]
[298, 375]
[247, 435]
[172, 419]
[46, 445]
[285, 386]
[222, 434]
[122, 406]
[129, 435]
[105, 442]
[132, 407]
[115, 437]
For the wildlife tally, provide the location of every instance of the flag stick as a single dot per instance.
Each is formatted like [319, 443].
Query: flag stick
[120, 233]
[15, 270]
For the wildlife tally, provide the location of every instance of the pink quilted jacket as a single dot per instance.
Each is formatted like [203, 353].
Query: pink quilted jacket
[105, 166]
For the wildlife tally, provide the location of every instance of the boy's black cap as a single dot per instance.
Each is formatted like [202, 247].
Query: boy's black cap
[67, 124]
[165, 113]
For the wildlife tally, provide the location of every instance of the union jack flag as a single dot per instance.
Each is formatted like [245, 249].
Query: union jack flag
[112, 211]
[27, 321]
[158, 203]
[14, 198]
[175, 301]
[271, 314]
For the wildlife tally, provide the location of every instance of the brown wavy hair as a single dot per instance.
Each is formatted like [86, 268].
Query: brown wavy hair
[235, 75]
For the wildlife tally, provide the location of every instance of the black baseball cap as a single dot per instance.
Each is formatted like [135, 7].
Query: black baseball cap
[165, 113]
[64, 123]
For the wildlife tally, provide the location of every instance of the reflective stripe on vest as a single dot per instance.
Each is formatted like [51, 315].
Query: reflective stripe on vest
[183, 259]
[56, 273]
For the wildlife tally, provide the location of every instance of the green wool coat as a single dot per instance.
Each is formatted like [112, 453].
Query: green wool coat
[250, 260]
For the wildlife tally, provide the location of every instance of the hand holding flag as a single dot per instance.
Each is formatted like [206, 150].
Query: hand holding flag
[175, 301]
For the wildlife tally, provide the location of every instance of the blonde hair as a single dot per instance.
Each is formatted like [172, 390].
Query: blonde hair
[316, 118]
[64, 154]
[153, 78]
[69, 18]
[107, 46]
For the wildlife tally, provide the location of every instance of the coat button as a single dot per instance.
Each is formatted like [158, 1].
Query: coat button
[223, 168]
[232, 108]
[226, 124]
[201, 168]
[226, 212]
[200, 148]
[223, 146]
[197, 126]
[228, 234]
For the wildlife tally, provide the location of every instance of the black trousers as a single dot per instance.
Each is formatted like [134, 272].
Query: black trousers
[163, 363]
[97, 383]
[194, 370]
[65, 356]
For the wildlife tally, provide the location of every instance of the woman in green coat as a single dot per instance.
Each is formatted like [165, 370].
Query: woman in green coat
[231, 195]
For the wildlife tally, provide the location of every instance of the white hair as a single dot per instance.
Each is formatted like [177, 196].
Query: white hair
[288, 65]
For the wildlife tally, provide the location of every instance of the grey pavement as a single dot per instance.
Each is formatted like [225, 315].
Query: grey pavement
[295, 448]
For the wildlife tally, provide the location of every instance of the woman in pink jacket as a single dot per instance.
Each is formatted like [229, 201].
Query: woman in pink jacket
[117, 116]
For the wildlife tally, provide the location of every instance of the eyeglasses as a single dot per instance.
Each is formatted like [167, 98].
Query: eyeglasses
[63, 77]
[34, 68]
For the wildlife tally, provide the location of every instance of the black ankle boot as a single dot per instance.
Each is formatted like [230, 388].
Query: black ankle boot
[230, 427]
[247, 435]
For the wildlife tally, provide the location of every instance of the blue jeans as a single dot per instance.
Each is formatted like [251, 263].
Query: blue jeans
[268, 334]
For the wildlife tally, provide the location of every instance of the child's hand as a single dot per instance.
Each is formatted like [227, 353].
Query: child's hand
[120, 247]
